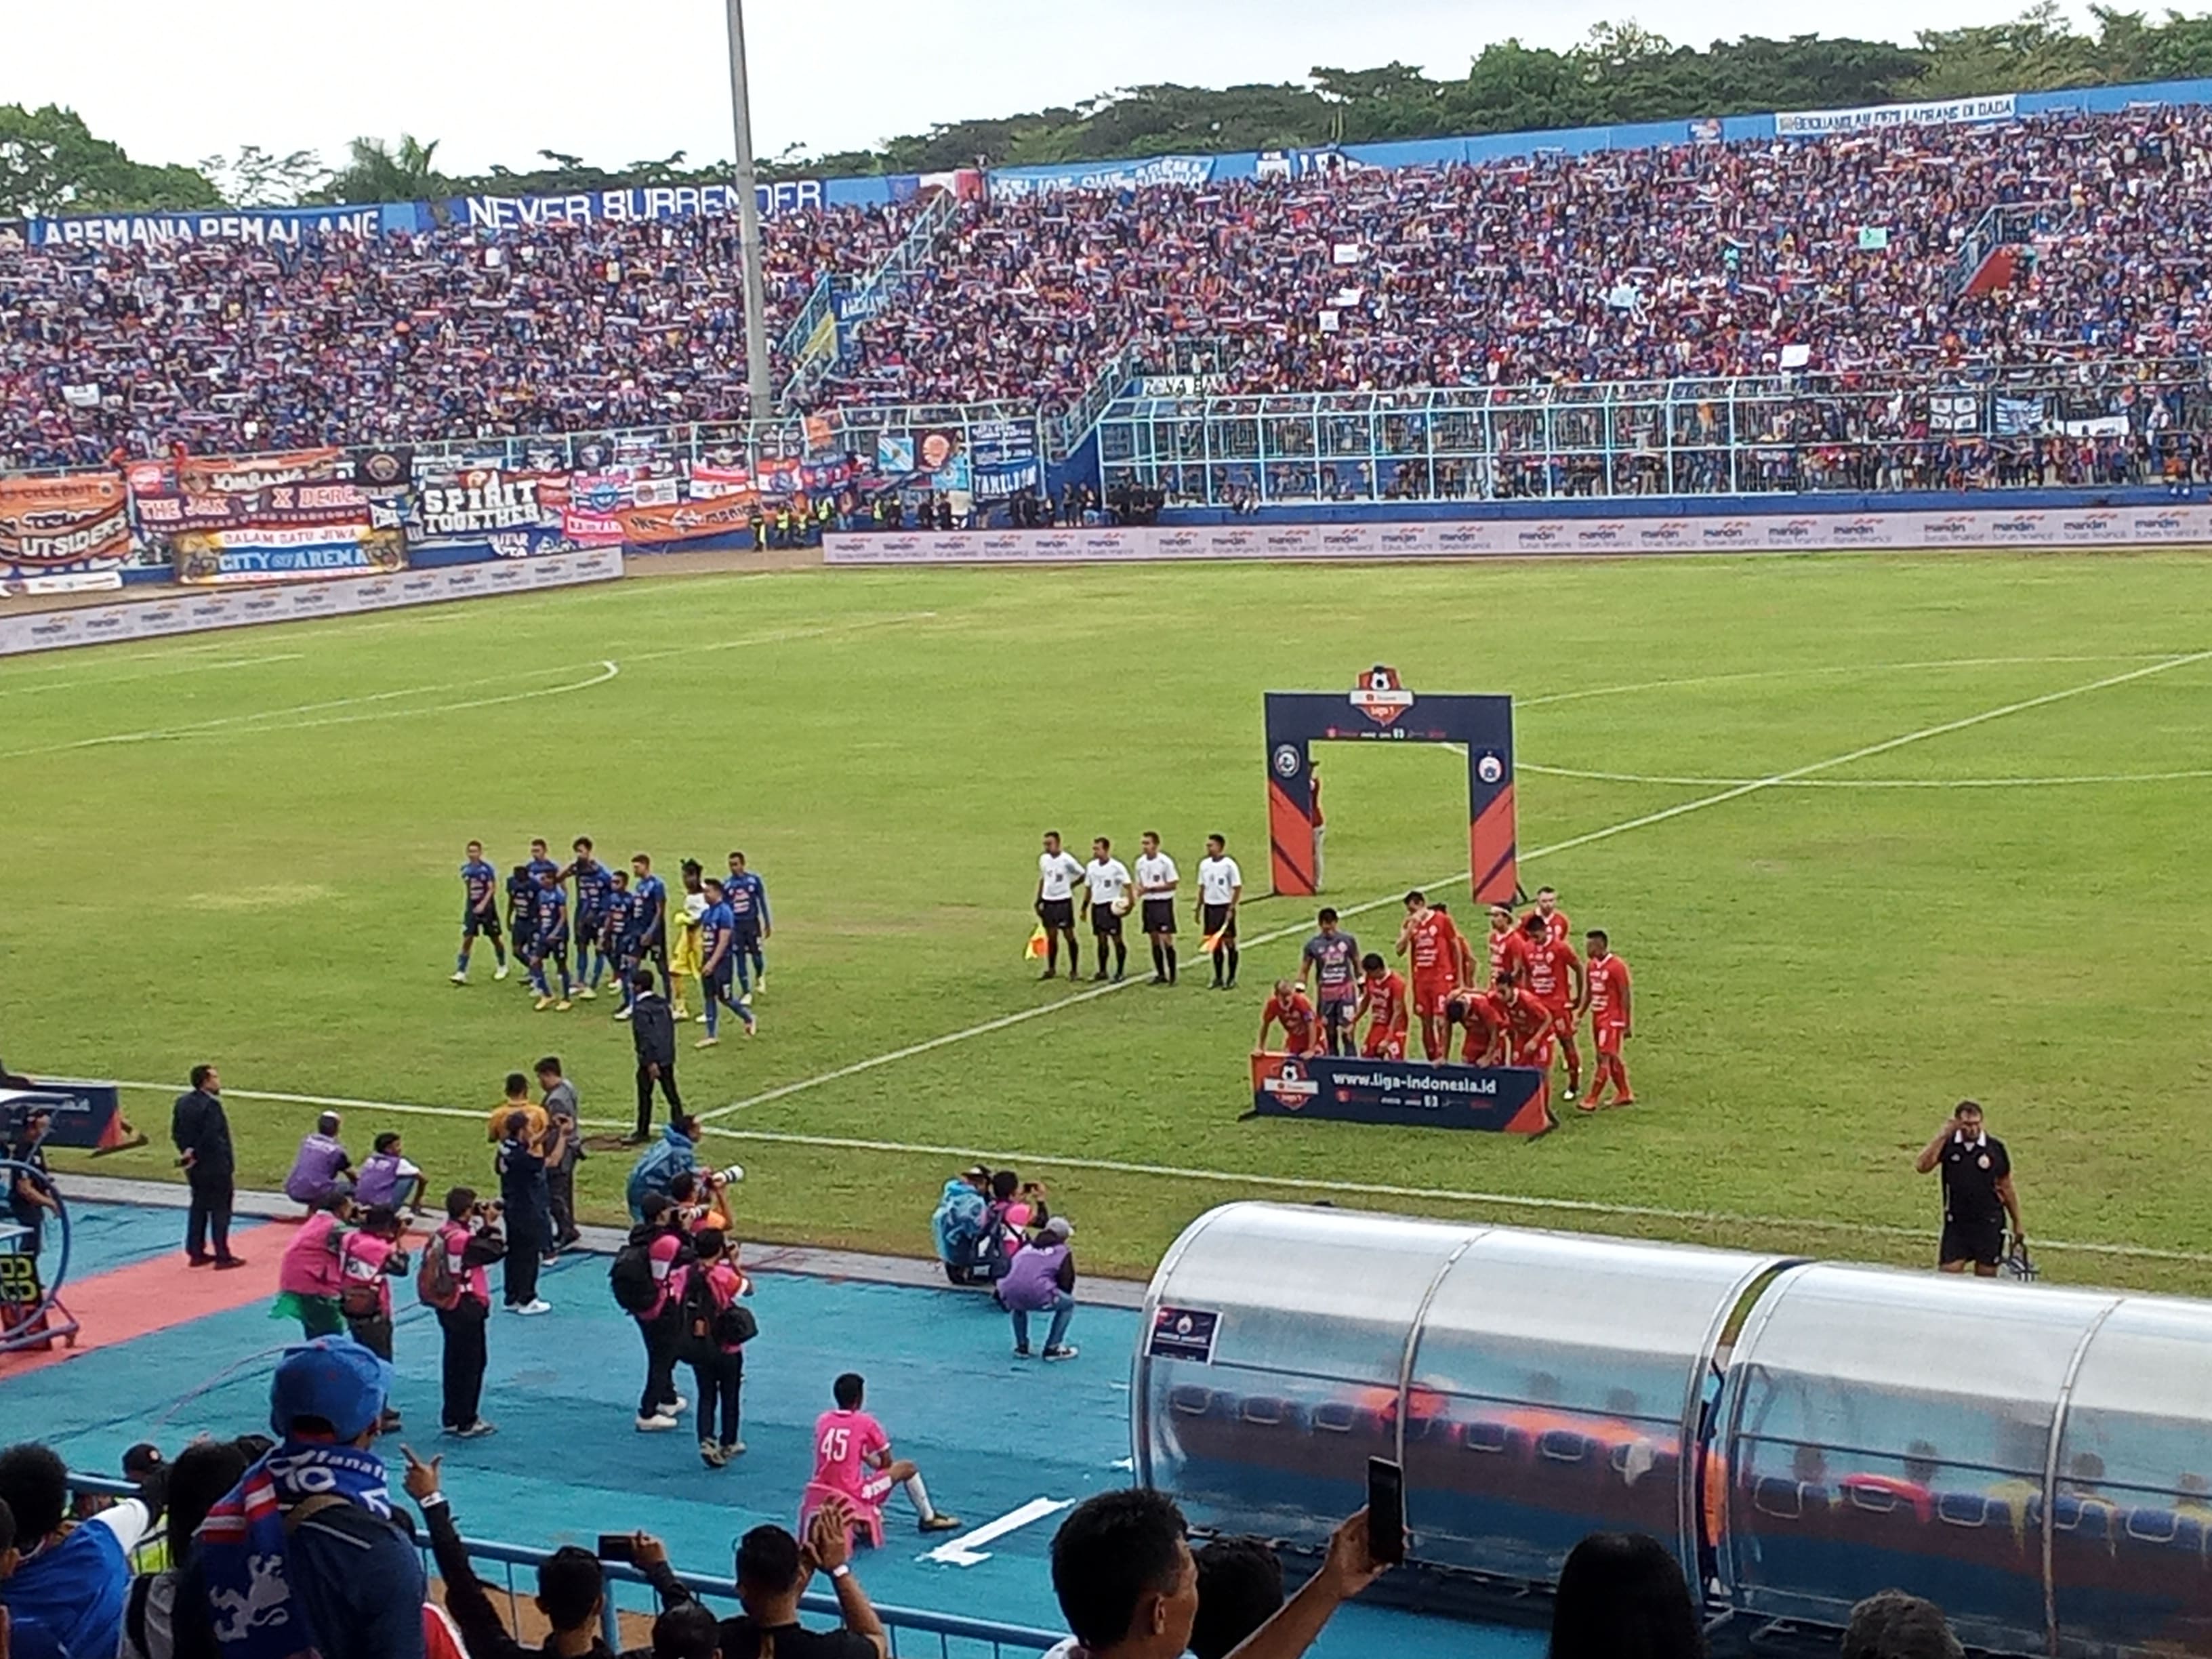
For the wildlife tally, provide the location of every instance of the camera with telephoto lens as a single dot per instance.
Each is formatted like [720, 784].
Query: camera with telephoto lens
[735, 1172]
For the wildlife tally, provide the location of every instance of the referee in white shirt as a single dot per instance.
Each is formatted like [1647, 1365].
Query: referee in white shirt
[1157, 879]
[1057, 874]
[1220, 888]
[1106, 899]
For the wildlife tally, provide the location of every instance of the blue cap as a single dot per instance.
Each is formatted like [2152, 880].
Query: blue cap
[334, 1379]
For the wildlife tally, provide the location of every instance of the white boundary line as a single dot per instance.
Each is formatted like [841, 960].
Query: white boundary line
[1225, 1177]
[1736, 792]
[1827, 671]
[1876, 783]
[187, 666]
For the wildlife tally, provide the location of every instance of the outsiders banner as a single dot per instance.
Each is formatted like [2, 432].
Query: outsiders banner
[49, 526]
[686, 521]
[213, 557]
[1943, 112]
[1512, 1100]
[1004, 454]
[2155, 524]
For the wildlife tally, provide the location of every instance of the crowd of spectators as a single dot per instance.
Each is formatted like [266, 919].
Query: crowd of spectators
[1699, 260]
[231, 346]
[1841, 255]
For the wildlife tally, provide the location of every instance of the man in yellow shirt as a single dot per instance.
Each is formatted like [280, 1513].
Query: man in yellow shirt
[518, 1100]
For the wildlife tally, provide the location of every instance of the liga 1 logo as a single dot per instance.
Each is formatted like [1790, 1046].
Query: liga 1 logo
[1288, 1084]
[1381, 696]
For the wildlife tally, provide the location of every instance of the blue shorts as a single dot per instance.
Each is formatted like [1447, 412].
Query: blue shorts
[474, 921]
[589, 925]
[745, 938]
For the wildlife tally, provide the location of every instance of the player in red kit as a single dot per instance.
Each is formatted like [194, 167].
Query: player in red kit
[1555, 979]
[1435, 947]
[1605, 984]
[1482, 1018]
[1555, 919]
[1382, 1003]
[1508, 951]
[1531, 1029]
[1288, 1008]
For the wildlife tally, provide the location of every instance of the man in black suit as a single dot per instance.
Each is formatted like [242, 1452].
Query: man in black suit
[653, 1033]
[202, 1134]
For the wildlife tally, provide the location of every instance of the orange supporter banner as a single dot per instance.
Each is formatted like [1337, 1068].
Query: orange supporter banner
[686, 521]
[56, 524]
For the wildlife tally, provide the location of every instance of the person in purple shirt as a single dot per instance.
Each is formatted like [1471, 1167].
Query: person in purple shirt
[319, 1170]
[1331, 962]
[1042, 1279]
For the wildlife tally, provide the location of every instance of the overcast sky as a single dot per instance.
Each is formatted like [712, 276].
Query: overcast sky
[499, 80]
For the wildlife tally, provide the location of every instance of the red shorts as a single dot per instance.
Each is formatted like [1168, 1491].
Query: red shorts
[1430, 997]
[1608, 1034]
[1537, 1054]
[1471, 1052]
[1383, 1045]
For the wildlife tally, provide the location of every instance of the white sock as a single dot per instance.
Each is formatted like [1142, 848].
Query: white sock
[919, 1494]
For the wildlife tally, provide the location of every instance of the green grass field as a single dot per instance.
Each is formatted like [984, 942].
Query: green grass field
[244, 848]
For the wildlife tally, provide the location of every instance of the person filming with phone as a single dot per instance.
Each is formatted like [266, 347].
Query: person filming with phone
[571, 1587]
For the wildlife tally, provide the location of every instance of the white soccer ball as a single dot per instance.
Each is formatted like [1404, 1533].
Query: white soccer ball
[1122, 905]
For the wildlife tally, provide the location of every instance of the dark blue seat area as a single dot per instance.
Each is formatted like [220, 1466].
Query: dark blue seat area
[1190, 1400]
[1786, 1499]
[1265, 1411]
[1492, 1439]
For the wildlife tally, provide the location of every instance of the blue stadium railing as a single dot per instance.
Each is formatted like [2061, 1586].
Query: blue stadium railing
[953, 1633]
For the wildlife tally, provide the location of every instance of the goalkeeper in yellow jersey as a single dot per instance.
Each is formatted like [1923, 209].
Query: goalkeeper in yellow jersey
[683, 960]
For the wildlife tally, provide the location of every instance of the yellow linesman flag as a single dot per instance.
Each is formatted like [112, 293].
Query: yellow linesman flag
[1211, 943]
[1035, 947]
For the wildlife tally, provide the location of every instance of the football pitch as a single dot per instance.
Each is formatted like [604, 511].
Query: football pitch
[1874, 833]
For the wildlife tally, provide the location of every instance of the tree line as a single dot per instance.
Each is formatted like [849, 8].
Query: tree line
[51, 162]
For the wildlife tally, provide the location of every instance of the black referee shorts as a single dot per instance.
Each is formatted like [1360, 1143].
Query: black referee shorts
[1056, 913]
[1218, 919]
[1159, 916]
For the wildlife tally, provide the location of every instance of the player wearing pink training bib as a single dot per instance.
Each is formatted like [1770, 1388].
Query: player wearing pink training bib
[852, 1460]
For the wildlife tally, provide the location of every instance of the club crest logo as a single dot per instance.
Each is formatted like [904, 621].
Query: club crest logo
[1380, 696]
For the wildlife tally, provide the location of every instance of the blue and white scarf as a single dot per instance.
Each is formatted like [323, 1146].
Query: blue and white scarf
[242, 1544]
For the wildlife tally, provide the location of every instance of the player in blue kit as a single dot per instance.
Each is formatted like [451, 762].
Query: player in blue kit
[479, 912]
[718, 938]
[539, 863]
[747, 896]
[652, 927]
[522, 889]
[594, 883]
[551, 940]
[618, 931]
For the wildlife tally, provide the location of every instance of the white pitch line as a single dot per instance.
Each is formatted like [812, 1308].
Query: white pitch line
[1734, 792]
[962, 1552]
[101, 683]
[1876, 783]
[273, 719]
[1824, 671]
[1001, 1158]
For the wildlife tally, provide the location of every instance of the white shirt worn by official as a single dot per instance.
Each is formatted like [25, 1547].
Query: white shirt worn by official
[1108, 878]
[1157, 876]
[1218, 878]
[1058, 874]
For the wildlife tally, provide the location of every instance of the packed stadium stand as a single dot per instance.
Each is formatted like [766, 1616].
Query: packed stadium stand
[1847, 253]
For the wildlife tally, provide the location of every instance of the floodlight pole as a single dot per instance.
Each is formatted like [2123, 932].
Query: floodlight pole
[760, 374]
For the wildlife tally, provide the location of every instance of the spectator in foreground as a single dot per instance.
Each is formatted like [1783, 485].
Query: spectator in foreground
[571, 1585]
[686, 1633]
[21, 1635]
[772, 1575]
[319, 1168]
[202, 1472]
[305, 1552]
[1042, 1279]
[1621, 1597]
[1891, 1625]
[1128, 1585]
[1240, 1588]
